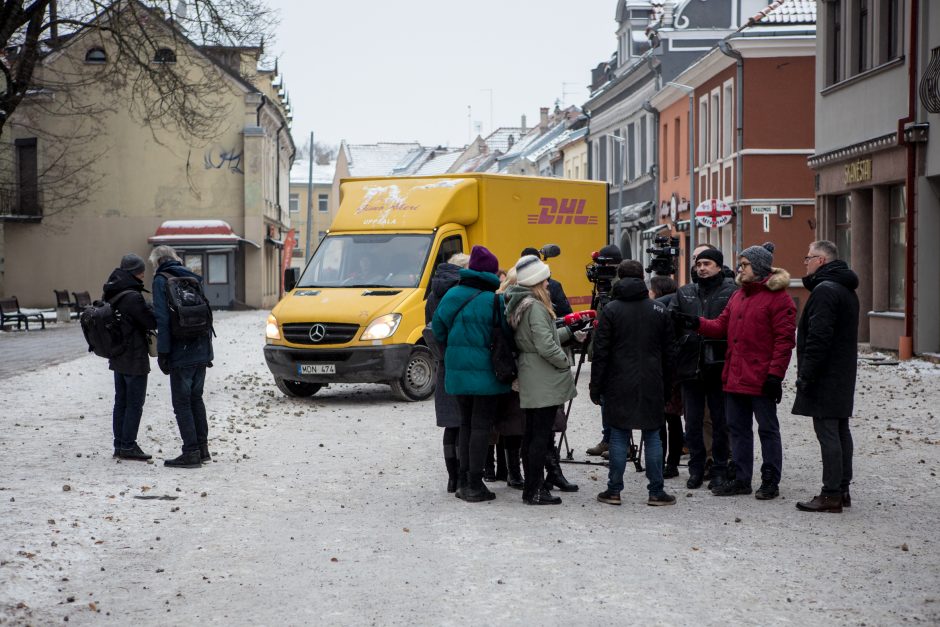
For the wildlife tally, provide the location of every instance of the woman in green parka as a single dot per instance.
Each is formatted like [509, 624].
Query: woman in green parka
[545, 380]
[463, 323]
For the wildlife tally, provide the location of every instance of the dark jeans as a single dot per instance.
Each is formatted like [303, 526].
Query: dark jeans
[652, 453]
[130, 390]
[605, 430]
[186, 391]
[740, 408]
[536, 441]
[476, 418]
[835, 442]
[694, 396]
[670, 434]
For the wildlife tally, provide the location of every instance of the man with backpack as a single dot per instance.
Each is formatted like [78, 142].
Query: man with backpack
[184, 349]
[132, 318]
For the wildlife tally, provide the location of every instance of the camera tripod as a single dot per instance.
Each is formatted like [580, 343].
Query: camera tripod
[634, 451]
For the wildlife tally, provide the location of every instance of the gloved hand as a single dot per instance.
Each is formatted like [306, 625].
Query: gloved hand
[581, 335]
[163, 360]
[772, 388]
[687, 321]
[595, 396]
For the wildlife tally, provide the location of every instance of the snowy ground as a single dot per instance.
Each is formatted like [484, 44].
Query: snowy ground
[332, 510]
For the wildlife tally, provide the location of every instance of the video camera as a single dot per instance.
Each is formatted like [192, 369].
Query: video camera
[664, 253]
[603, 270]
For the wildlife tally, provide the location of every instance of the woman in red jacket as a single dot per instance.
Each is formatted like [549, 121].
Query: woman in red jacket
[759, 324]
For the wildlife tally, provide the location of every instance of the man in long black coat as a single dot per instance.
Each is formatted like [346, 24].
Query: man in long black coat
[629, 375]
[827, 354]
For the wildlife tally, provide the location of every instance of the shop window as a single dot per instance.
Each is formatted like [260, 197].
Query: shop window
[294, 203]
[844, 227]
[218, 268]
[194, 263]
[897, 248]
[323, 201]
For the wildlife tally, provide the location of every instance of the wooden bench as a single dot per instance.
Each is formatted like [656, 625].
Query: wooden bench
[82, 300]
[10, 310]
[62, 302]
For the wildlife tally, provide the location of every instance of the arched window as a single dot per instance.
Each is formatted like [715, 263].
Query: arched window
[164, 55]
[96, 55]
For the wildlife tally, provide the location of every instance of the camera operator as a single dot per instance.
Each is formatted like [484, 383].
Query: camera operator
[630, 373]
[699, 364]
[603, 274]
[557, 293]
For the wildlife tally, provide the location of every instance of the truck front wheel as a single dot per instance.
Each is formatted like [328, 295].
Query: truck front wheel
[417, 382]
[297, 389]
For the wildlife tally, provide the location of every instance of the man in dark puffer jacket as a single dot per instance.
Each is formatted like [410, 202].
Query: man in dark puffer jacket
[124, 291]
[827, 357]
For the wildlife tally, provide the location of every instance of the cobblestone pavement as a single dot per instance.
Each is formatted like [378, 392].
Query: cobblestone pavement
[25, 351]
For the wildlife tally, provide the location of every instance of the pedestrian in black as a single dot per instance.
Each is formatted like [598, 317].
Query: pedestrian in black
[185, 360]
[446, 409]
[124, 290]
[663, 291]
[699, 365]
[633, 349]
[826, 357]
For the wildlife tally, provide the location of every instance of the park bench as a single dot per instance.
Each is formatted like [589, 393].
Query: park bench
[10, 310]
[82, 300]
[64, 305]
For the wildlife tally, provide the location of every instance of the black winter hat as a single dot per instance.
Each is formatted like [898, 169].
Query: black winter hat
[712, 253]
[132, 263]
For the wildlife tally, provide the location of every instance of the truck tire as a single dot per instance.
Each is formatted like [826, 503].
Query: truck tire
[417, 382]
[297, 389]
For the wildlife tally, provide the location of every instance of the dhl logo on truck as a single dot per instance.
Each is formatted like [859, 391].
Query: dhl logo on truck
[561, 211]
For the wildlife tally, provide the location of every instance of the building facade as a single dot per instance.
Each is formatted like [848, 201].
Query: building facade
[316, 200]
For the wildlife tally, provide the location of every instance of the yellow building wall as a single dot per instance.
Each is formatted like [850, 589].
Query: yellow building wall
[321, 219]
[575, 161]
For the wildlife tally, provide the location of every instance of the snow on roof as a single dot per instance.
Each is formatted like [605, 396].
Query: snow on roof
[380, 159]
[499, 139]
[322, 173]
[787, 12]
[438, 162]
[216, 231]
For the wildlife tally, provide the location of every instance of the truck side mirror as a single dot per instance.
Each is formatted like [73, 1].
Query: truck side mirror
[291, 275]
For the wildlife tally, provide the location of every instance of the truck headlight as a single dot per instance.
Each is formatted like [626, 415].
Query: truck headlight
[382, 327]
[270, 329]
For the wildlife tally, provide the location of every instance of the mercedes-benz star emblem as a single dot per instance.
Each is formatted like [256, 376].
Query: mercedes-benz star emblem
[317, 333]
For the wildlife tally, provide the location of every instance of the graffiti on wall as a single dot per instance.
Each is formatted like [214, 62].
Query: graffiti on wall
[218, 157]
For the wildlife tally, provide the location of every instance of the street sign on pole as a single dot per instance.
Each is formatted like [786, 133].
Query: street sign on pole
[713, 214]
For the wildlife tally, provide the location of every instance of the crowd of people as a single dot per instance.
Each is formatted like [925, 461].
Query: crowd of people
[713, 352]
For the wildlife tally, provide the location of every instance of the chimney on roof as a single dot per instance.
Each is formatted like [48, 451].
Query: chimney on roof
[524, 129]
[543, 119]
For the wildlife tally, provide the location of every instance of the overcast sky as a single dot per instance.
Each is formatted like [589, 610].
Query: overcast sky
[375, 70]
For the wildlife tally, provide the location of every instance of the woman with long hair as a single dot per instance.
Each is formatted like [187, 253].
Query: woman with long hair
[545, 380]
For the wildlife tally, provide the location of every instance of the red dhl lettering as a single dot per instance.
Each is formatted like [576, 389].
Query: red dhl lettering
[561, 211]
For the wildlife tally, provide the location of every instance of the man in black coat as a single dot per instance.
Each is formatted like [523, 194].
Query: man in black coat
[699, 365]
[124, 290]
[633, 346]
[826, 357]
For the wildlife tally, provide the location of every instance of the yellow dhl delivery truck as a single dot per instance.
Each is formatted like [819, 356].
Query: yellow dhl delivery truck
[356, 312]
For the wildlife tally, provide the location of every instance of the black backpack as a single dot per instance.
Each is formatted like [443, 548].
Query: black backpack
[102, 327]
[190, 313]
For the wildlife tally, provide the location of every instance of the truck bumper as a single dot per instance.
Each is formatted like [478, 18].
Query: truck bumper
[373, 364]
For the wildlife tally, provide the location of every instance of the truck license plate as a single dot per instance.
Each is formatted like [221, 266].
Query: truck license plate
[316, 368]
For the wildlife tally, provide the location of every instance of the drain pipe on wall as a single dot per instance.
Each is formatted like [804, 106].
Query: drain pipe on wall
[726, 49]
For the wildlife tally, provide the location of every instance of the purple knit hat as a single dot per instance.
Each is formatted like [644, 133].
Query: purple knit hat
[482, 260]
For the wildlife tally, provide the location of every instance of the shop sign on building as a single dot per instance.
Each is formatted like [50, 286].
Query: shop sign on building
[858, 172]
[713, 214]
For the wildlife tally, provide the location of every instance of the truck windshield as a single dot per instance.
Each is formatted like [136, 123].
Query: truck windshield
[378, 260]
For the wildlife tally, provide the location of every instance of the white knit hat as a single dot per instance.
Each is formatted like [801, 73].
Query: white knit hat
[530, 271]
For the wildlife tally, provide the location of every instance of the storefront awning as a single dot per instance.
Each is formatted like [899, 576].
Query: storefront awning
[651, 232]
[197, 234]
[631, 214]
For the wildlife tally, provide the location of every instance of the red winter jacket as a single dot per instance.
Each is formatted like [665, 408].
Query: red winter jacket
[759, 323]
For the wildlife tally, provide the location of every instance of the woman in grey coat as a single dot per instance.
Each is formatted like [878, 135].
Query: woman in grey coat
[545, 380]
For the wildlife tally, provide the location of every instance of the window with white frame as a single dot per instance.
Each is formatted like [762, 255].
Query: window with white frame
[713, 126]
[631, 152]
[643, 147]
[897, 248]
[294, 203]
[323, 203]
[703, 131]
[727, 120]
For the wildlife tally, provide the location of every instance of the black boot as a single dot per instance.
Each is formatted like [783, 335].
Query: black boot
[513, 475]
[489, 472]
[554, 476]
[476, 490]
[204, 455]
[453, 467]
[500, 461]
[186, 460]
[542, 497]
[463, 485]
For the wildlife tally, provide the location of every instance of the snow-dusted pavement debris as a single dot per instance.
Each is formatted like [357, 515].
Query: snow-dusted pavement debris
[333, 510]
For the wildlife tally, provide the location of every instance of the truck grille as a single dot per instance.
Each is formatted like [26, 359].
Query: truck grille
[319, 333]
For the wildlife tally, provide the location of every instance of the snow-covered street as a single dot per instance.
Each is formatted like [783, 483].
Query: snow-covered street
[333, 510]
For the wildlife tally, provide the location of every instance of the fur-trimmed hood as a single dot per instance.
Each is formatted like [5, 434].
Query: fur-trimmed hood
[778, 279]
[519, 299]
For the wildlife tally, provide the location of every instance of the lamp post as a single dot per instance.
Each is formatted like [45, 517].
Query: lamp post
[618, 229]
[691, 124]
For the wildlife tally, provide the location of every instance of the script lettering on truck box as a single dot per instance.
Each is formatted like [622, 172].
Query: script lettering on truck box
[561, 211]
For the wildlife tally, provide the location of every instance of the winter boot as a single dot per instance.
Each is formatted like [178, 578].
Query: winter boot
[476, 490]
[820, 503]
[542, 497]
[133, 453]
[718, 477]
[670, 471]
[501, 461]
[489, 472]
[453, 467]
[554, 476]
[204, 453]
[768, 486]
[598, 449]
[463, 485]
[513, 475]
[186, 460]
